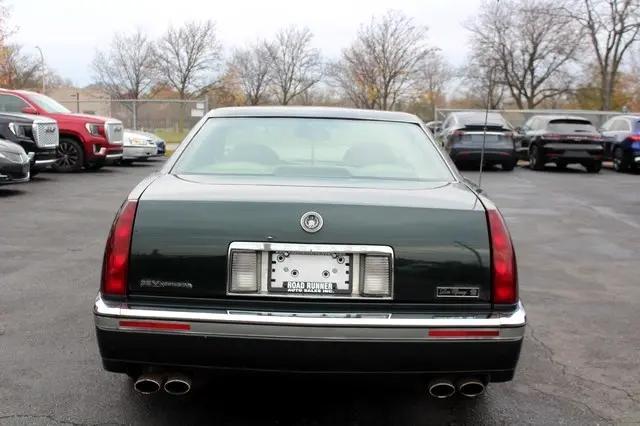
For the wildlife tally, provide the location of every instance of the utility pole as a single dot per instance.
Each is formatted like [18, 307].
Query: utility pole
[44, 71]
[77, 96]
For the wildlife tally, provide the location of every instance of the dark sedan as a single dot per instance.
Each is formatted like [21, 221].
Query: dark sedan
[14, 163]
[309, 240]
[470, 137]
[562, 140]
[622, 142]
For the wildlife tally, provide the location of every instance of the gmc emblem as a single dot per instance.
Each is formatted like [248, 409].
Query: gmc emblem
[49, 129]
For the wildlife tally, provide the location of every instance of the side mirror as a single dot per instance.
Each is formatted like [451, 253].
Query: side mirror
[30, 110]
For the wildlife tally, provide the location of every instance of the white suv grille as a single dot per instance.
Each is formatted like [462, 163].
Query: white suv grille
[45, 133]
[114, 131]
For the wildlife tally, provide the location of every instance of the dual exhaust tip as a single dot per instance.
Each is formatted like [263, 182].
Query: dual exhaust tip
[180, 384]
[173, 384]
[445, 388]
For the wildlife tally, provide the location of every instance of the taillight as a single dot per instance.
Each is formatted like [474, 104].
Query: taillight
[552, 137]
[457, 134]
[116, 253]
[634, 138]
[504, 274]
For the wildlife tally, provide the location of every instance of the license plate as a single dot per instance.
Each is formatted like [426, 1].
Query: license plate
[312, 274]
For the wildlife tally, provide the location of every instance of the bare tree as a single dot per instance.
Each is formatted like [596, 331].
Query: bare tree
[435, 74]
[186, 55]
[532, 44]
[612, 26]
[295, 65]
[18, 70]
[251, 68]
[480, 76]
[382, 64]
[128, 68]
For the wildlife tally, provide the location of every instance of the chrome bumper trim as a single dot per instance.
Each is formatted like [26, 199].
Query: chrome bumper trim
[114, 156]
[45, 162]
[352, 326]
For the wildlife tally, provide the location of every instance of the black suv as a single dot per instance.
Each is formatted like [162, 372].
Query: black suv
[38, 136]
[561, 140]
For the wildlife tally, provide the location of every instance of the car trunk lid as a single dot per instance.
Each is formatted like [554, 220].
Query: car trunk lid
[185, 225]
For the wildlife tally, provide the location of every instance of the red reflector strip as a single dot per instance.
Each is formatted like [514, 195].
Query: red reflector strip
[153, 325]
[464, 333]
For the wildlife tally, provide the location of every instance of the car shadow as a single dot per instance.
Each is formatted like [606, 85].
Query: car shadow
[279, 400]
[571, 168]
[476, 168]
[10, 192]
[134, 165]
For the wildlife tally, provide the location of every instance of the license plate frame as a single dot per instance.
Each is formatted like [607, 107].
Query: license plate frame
[295, 274]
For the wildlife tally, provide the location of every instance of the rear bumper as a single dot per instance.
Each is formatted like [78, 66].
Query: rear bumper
[573, 152]
[490, 155]
[347, 343]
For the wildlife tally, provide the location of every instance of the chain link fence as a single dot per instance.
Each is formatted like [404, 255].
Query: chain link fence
[164, 116]
[517, 117]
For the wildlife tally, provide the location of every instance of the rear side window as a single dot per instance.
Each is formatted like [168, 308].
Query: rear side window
[621, 125]
[571, 126]
[10, 103]
[313, 148]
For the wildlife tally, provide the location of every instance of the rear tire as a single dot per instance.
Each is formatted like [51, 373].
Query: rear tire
[536, 158]
[620, 162]
[594, 167]
[70, 156]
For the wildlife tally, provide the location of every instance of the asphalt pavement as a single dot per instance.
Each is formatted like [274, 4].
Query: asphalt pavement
[577, 238]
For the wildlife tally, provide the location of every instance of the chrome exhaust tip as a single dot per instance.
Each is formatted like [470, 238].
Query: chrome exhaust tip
[441, 388]
[149, 383]
[471, 388]
[177, 384]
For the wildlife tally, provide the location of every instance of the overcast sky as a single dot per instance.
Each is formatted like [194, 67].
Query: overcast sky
[70, 31]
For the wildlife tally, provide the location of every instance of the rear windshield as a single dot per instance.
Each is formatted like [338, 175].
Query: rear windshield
[313, 148]
[571, 126]
[478, 119]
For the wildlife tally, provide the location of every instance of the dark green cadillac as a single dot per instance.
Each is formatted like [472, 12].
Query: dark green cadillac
[309, 240]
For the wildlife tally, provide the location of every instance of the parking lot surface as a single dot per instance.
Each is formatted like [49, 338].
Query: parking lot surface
[577, 237]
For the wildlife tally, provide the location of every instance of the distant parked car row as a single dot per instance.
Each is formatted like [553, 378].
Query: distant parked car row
[471, 137]
[48, 135]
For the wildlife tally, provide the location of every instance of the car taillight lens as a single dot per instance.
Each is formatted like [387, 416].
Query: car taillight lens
[377, 276]
[504, 274]
[552, 137]
[244, 272]
[116, 254]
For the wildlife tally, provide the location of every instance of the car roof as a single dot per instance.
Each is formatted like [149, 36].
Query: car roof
[314, 112]
[19, 91]
[561, 117]
[628, 116]
[479, 117]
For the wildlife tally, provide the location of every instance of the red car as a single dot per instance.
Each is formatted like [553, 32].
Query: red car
[87, 141]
